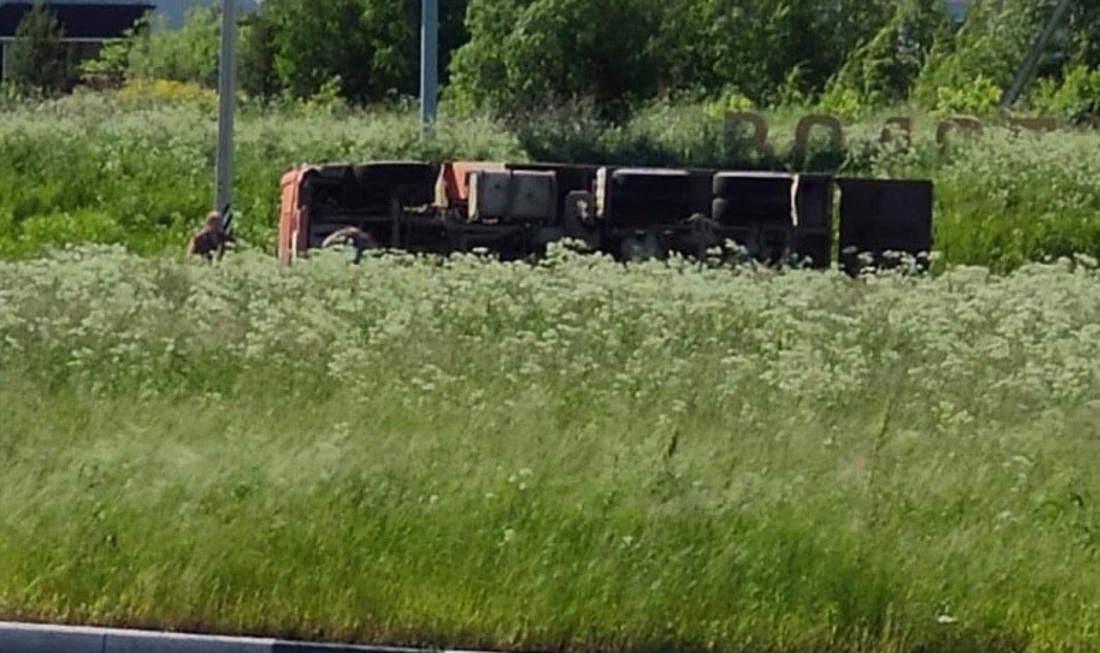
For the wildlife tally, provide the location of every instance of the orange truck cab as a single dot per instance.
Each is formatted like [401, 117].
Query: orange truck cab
[292, 214]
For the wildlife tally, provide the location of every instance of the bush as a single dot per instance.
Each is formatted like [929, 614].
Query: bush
[1076, 97]
[38, 61]
[188, 54]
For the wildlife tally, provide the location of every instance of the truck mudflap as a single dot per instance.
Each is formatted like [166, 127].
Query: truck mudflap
[883, 216]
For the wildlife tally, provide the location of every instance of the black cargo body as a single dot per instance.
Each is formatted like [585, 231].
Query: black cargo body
[878, 216]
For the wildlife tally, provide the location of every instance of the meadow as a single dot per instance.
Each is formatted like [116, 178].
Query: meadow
[136, 166]
[576, 455]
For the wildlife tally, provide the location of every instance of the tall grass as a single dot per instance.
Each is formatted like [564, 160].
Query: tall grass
[1009, 198]
[572, 455]
[137, 167]
[98, 168]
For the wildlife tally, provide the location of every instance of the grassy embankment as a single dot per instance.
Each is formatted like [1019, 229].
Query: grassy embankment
[570, 455]
[507, 456]
[139, 171]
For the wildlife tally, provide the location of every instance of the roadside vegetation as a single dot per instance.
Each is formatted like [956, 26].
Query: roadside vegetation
[135, 166]
[574, 455]
[123, 150]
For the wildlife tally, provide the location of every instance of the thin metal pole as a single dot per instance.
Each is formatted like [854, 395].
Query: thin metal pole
[223, 175]
[429, 63]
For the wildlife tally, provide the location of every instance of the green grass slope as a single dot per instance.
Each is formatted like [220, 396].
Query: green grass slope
[576, 455]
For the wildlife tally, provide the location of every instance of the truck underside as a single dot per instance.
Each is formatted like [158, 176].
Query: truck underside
[515, 210]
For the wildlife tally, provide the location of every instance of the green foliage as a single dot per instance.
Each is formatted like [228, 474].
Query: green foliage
[37, 59]
[773, 51]
[1078, 43]
[145, 162]
[367, 45]
[514, 59]
[524, 54]
[1019, 198]
[986, 51]
[256, 73]
[109, 69]
[574, 456]
[882, 71]
[185, 54]
[136, 166]
[1082, 34]
[619, 451]
[1076, 97]
[979, 97]
[294, 48]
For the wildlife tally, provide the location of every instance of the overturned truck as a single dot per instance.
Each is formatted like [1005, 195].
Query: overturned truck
[516, 209]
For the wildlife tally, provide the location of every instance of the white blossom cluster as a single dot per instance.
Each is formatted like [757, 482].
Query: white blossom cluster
[962, 346]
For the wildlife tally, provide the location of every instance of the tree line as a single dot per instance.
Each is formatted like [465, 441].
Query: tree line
[511, 57]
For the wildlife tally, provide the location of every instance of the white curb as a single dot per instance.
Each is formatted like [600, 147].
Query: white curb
[18, 637]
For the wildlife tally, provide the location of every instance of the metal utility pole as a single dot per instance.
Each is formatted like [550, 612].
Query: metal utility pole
[1031, 61]
[223, 176]
[429, 63]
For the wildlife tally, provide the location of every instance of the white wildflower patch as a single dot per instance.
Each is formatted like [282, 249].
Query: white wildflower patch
[963, 348]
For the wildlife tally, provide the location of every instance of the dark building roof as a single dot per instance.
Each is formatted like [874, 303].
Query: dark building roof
[78, 21]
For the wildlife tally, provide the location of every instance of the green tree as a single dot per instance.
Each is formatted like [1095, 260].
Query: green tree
[371, 46]
[369, 49]
[1083, 28]
[883, 70]
[38, 59]
[526, 54]
[186, 54]
[615, 54]
[368, 45]
[256, 74]
[772, 51]
[991, 45]
[452, 35]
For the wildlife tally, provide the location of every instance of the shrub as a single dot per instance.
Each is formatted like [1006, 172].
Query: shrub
[38, 61]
